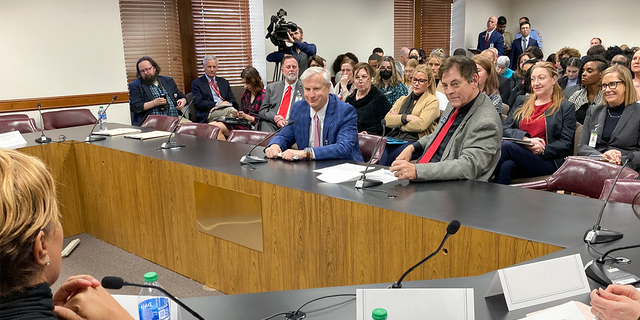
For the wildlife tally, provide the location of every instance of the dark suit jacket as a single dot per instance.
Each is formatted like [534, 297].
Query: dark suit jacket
[561, 129]
[496, 39]
[271, 104]
[139, 93]
[517, 50]
[625, 137]
[339, 131]
[504, 88]
[203, 99]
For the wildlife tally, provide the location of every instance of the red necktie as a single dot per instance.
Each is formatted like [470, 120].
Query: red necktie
[436, 143]
[215, 88]
[284, 106]
[486, 40]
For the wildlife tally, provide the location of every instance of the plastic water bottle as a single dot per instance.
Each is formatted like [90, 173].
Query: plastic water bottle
[102, 119]
[152, 303]
[379, 314]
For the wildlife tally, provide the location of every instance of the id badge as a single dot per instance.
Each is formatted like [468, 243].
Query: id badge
[593, 139]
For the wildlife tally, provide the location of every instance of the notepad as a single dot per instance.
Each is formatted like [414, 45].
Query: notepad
[116, 132]
[149, 135]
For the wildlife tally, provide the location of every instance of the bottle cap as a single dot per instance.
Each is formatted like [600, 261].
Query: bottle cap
[379, 314]
[153, 277]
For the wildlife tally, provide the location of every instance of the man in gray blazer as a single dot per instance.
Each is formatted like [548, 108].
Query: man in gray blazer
[273, 114]
[466, 142]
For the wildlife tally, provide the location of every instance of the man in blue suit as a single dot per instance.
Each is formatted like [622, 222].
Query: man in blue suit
[490, 37]
[520, 44]
[324, 127]
[212, 95]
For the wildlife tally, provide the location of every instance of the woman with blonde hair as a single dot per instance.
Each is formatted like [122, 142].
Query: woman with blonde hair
[389, 81]
[31, 239]
[488, 80]
[412, 116]
[543, 126]
[615, 121]
[345, 87]
[436, 58]
[409, 67]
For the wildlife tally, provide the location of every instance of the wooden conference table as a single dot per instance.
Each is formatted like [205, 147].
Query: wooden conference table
[312, 234]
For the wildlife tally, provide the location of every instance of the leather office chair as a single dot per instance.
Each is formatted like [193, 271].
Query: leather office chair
[67, 118]
[248, 136]
[191, 113]
[505, 111]
[162, 123]
[368, 143]
[624, 191]
[199, 129]
[580, 175]
[14, 116]
[23, 125]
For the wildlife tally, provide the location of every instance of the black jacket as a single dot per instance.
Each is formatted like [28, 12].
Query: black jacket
[371, 110]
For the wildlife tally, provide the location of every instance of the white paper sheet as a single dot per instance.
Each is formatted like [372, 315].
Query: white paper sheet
[12, 140]
[565, 311]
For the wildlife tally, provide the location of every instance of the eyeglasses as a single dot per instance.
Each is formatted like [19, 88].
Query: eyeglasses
[359, 79]
[614, 62]
[420, 81]
[146, 70]
[612, 85]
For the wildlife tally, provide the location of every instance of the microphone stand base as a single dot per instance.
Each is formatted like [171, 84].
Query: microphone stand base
[171, 145]
[606, 273]
[252, 159]
[367, 183]
[601, 236]
[91, 138]
[295, 316]
[43, 139]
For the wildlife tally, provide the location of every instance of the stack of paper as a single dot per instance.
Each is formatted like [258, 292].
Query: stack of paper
[149, 135]
[347, 172]
[116, 132]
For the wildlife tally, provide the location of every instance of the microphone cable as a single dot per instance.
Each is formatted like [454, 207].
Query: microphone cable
[297, 314]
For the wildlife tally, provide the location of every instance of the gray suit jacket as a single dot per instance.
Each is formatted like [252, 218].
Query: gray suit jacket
[625, 137]
[474, 149]
[271, 104]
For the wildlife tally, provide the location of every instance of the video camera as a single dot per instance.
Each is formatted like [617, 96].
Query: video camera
[278, 30]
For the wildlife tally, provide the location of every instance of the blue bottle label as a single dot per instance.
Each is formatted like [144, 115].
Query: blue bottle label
[154, 309]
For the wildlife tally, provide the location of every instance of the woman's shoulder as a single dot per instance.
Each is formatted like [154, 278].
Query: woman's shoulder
[566, 104]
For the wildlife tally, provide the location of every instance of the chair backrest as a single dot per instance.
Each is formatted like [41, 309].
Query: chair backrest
[586, 176]
[67, 118]
[14, 116]
[191, 113]
[162, 123]
[248, 137]
[505, 111]
[624, 191]
[368, 143]
[576, 138]
[23, 125]
[199, 129]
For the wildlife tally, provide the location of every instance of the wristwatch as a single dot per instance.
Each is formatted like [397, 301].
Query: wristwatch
[309, 152]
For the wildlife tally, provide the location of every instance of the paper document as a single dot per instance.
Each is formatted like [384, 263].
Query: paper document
[571, 310]
[130, 303]
[348, 172]
[382, 174]
[116, 132]
[12, 140]
[149, 135]
[343, 167]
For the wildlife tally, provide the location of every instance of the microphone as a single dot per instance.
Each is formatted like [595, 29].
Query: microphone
[248, 158]
[452, 228]
[603, 272]
[363, 182]
[117, 283]
[168, 144]
[43, 138]
[596, 234]
[90, 137]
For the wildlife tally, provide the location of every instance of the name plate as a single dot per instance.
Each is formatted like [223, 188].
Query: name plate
[540, 282]
[450, 304]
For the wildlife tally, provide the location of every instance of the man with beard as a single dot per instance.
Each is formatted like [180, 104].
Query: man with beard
[280, 96]
[152, 93]
[212, 95]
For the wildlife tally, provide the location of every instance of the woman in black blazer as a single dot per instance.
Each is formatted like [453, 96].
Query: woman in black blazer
[546, 121]
[612, 129]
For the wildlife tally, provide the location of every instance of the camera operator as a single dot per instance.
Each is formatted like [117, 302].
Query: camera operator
[300, 50]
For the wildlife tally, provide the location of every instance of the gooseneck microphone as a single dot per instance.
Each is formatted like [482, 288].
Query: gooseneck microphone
[168, 144]
[603, 271]
[452, 228]
[248, 158]
[363, 182]
[43, 138]
[596, 234]
[117, 283]
[90, 137]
